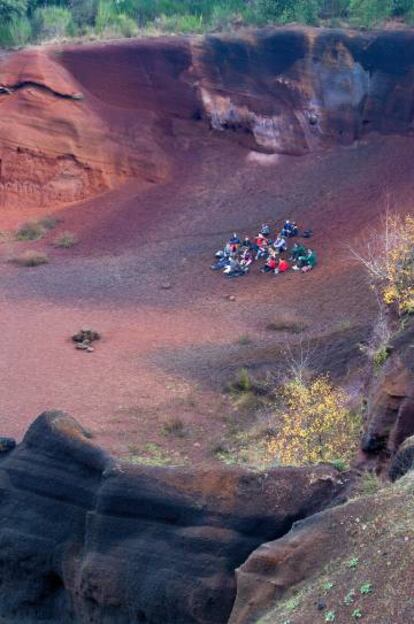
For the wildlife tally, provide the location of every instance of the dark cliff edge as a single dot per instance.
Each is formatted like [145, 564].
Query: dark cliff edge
[84, 539]
[298, 90]
[287, 91]
[390, 411]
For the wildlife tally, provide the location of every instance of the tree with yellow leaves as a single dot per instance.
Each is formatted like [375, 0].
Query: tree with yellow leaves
[314, 424]
[388, 256]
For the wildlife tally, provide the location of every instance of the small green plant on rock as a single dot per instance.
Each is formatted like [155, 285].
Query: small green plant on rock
[353, 563]
[330, 616]
[366, 588]
[380, 357]
[327, 586]
[357, 614]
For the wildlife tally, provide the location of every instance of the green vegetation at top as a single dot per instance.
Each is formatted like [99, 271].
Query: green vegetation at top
[27, 21]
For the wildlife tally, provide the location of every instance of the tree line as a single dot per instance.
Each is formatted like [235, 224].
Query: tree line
[24, 21]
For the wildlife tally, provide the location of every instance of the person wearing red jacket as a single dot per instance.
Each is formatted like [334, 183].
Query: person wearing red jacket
[282, 267]
[271, 264]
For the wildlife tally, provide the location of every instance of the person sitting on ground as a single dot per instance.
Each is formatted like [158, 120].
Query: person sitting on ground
[290, 229]
[265, 229]
[306, 262]
[263, 247]
[298, 250]
[223, 260]
[234, 243]
[280, 244]
[246, 259]
[271, 263]
[234, 268]
[282, 266]
[310, 261]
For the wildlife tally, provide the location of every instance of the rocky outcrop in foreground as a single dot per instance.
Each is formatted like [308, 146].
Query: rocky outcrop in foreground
[88, 540]
[348, 563]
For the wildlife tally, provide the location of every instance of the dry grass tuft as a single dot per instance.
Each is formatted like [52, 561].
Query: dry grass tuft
[30, 231]
[66, 240]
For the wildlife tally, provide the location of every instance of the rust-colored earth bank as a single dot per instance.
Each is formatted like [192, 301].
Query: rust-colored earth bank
[150, 153]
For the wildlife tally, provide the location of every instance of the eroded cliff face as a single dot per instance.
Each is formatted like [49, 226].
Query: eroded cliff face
[294, 91]
[55, 146]
[77, 121]
[390, 411]
[84, 539]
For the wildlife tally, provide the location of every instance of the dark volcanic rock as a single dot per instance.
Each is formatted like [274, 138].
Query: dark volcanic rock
[295, 90]
[84, 539]
[7, 444]
[390, 417]
[403, 461]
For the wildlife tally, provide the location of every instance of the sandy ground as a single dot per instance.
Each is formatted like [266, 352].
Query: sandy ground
[168, 351]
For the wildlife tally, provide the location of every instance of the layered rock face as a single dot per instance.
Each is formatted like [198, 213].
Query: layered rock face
[55, 145]
[77, 121]
[297, 90]
[84, 539]
[390, 414]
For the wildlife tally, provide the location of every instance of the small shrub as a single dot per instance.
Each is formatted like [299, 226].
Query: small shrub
[366, 588]
[314, 423]
[353, 563]
[127, 26]
[327, 586]
[174, 427]
[66, 240]
[380, 356]
[340, 464]
[30, 259]
[369, 484]
[370, 12]
[330, 616]
[357, 614]
[51, 22]
[30, 231]
[84, 12]
[12, 9]
[242, 382]
[16, 32]
[181, 23]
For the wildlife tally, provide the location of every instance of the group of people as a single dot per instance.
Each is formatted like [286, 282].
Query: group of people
[238, 256]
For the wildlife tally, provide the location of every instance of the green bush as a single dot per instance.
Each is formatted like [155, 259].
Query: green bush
[51, 22]
[370, 12]
[15, 33]
[181, 23]
[106, 15]
[110, 21]
[84, 12]
[12, 9]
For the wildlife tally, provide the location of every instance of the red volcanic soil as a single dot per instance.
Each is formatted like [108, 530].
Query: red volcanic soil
[168, 351]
